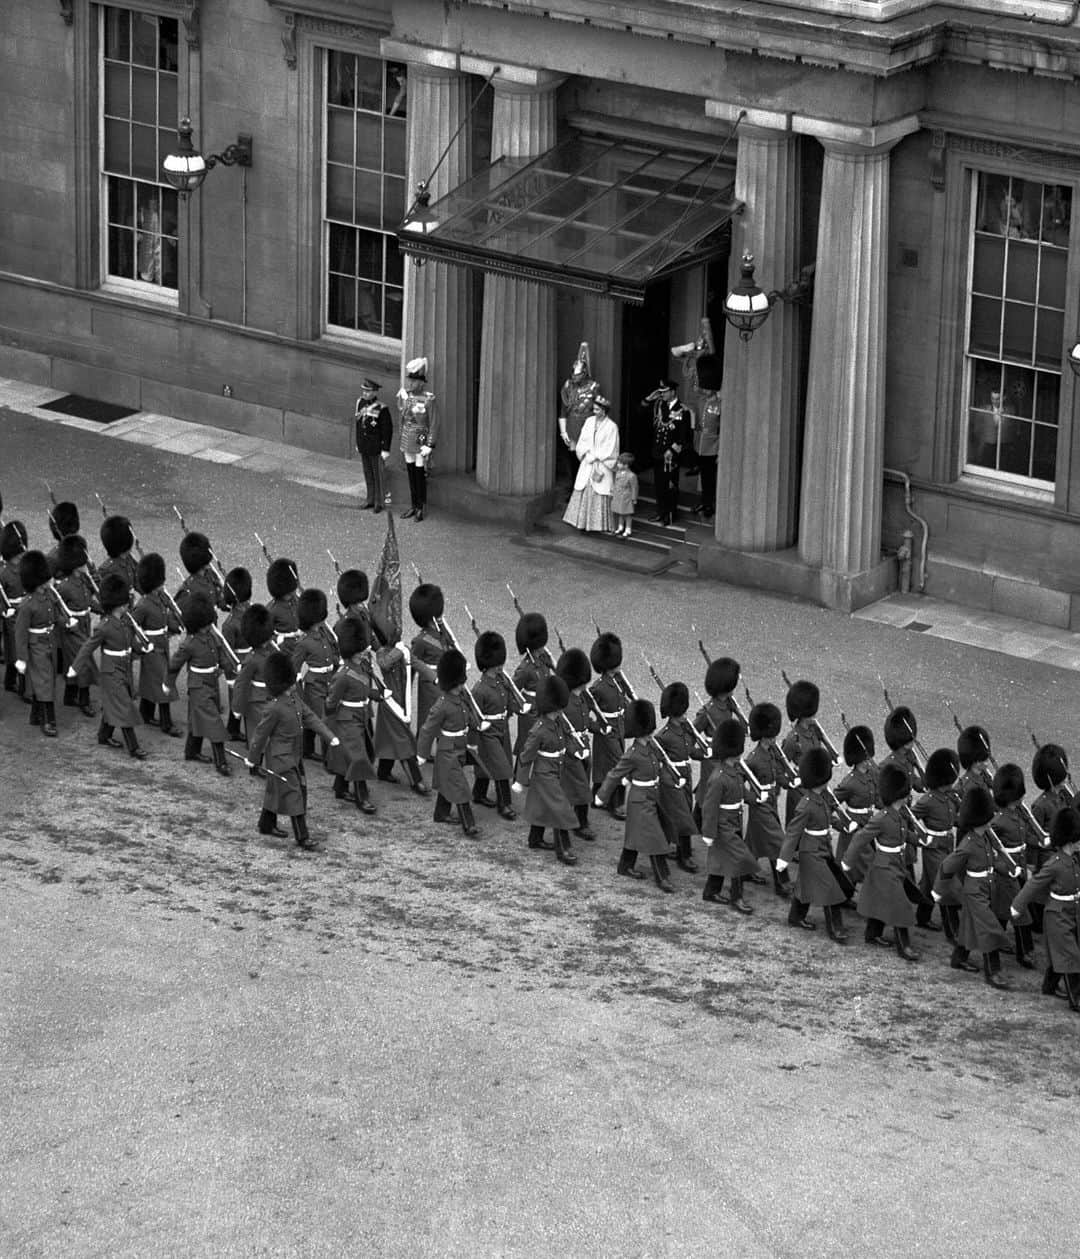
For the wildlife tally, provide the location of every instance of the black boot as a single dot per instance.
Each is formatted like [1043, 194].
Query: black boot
[834, 924]
[300, 833]
[797, 914]
[628, 864]
[442, 809]
[874, 932]
[781, 885]
[563, 851]
[1050, 982]
[992, 970]
[410, 472]
[1072, 988]
[341, 788]
[146, 712]
[950, 922]
[685, 859]
[480, 791]
[83, 702]
[416, 779]
[165, 722]
[961, 960]
[468, 822]
[217, 750]
[193, 750]
[48, 719]
[713, 890]
[503, 799]
[308, 752]
[421, 493]
[583, 830]
[35, 713]
[268, 825]
[132, 744]
[71, 692]
[737, 902]
[537, 840]
[661, 873]
[903, 944]
[1025, 946]
[105, 736]
[385, 772]
[363, 800]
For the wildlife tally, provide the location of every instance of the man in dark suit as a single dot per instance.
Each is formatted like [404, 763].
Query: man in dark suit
[671, 442]
[374, 430]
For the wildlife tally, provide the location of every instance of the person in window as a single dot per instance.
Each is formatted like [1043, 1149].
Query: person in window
[989, 428]
[589, 508]
[148, 244]
[397, 91]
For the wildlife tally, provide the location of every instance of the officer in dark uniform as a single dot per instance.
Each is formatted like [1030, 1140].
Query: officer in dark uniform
[374, 431]
[671, 440]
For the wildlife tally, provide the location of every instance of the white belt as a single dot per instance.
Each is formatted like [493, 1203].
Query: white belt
[243, 651]
[731, 806]
[1018, 848]
[680, 764]
[495, 716]
[869, 809]
[611, 716]
[256, 683]
[552, 756]
[119, 654]
[887, 848]
[1058, 896]
[978, 874]
[938, 834]
[810, 832]
[651, 782]
[194, 668]
[35, 630]
[156, 633]
[455, 734]
[290, 633]
[529, 693]
[320, 668]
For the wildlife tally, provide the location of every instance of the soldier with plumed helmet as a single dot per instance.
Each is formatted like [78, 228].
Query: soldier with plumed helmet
[419, 429]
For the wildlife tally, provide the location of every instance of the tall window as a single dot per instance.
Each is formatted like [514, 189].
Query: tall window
[138, 127]
[1016, 327]
[364, 197]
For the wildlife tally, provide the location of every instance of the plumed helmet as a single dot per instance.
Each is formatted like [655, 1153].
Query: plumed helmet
[115, 592]
[1008, 785]
[574, 668]
[710, 372]
[764, 721]
[150, 573]
[194, 551]
[815, 768]
[256, 625]
[802, 701]
[552, 695]
[900, 727]
[942, 768]
[729, 739]
[1065, 828]
[237, 587]
[972, 746]
[353, 637]
[13, 539]
[451, 670]
[858, 745]
[116, 536]
[416, 369]
[199, 612]
[640, 718]
[490, 650]
[426, 603]
[281, 579]
[311, 608]
[722, 676]
[279, 673]
[531, 633]
[1049, 766]
[674, 700]
[893, 783]
[64, 520]
[976, 809]
[352, 587]
[71, 553]
[33, 570]
[606, 653]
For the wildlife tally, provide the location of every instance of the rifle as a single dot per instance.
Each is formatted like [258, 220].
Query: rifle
[511, 685]
[61, 604]
[578, 736]
[558, 639]
[960, 729]
[144, 643]
[701, 645]
[752, 778]
[48, 510]
[995, 839]
[705, 709]
[916, 747]
[841, 809]
[668, 763]
[269, 772]
[337, 570]
[136, 544]
[920, 830]
[225, 643]
[215, 566]
[173, 605]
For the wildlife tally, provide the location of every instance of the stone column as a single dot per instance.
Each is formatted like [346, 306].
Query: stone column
[759, 428]
[519, 372]
[602, 328]
[439, 308]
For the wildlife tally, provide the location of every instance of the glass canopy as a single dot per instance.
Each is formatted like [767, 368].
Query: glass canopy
[597, 215]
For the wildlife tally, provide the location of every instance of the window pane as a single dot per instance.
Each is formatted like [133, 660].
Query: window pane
[339, 189]
[993, 189]
[396, 89]
[117, 98]
[368, 195]
[339, 135]
[121, 253]
[395, 301]
[341, 302]
[167, 110]
[1020, 274]
[369, 255]
[395, 262]
[144, 152]
[117, 27]
[166, 142]
[1047, 397]
[167, 42]
[340, 79]
[143, 95]
[394, 147]
[1018, 332]
[369, 83]
[121, 202]
[1057, 213]
[1015, 448]
[1050, 338]
[393, 203]
[117, 138]
[168, 263]
[989, 265]
[342, 249]
[168, 211]
[1044, 454]
[369, 141]
[985, 325]
[1052, 278]
[144, 40]
[368, 307]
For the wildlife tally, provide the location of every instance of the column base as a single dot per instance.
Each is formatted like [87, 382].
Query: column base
[459, 494]
[785, 572]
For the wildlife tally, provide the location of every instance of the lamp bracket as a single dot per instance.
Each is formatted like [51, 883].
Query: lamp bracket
[799, 292]
[67, 12]
[191, 16]
[238, 154]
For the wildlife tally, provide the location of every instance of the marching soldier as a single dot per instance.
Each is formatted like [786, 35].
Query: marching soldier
[205, 656]
[419, 426]
[683, 747]
[530, 638]
[606, 657]
[315, 657]
[937, 809]
[973, 749]
[901, 731]
[808, 841]
[35, 625]
[237, 599]
[426, 606]
[858, 789]
[13, 541]
[348, 714]
[1050, 773]
[721, 679]
[671, 439]
[196, 557]
[374, 433]
[1056, 885]
[118, 539]
[764, 832]
[722, 820]
[496, 701]
[282, 583]
[539, 772]
[155, 617]
[1014, 832]
[801, 703]
[448, 725]
[73, 583]
[63, 523]
[250, 696]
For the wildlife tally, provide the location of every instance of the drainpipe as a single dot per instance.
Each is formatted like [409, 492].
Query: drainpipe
[905, 480]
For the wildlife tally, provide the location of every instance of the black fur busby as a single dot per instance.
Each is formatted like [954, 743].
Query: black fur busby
[426, 603]
[199, 612]
[972, 746]
[33, 570]
[710, 372]
[640, 718]
[674, 700]
[256, 625]
[490, 650]
[942, 769]
[729, 739]
[802, 701]
[552, 695]
[451, 670]
[858, 745]
[1049, 766]
[194, 551]
[353, 637]
[237, 587]
[279, 673]
[116, 536]
[976, 809]
[64, 520]
[574, 668]
[531, 633]
[281, 580]
[150, 573]
[352, 587]
[900, 727]
[1065, 828]
[115, 592]
[1008, 785]
[70, 554]
[311, 608]
[764, 721]
[606, 653]
[893, 783]
[815, 767]
[722, 676]
[13, 539]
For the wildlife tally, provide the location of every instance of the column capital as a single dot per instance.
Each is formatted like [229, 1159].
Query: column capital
[456, 63]
[759, 119]
[853, 138]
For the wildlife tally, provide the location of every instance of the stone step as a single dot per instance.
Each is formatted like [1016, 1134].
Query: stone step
[648, 554]
[960, 579]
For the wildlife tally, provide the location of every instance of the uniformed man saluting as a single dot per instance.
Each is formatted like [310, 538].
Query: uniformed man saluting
[374, 430]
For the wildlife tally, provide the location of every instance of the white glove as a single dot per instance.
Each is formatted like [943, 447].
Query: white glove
[70, 673]
[164, 689]
[385, 455]
[598, 802]
[516, 788]
[72, 622]
[763, 798]
[236, 716]
[20, 666]
[421, 760]
[425, 452]
[844, 866]
[485, 725]
[707, 841]
[249, 764]
[8, 613]
[680, 783]
[335, 742]
[936, 896]
[781, 865]
[1015, 912]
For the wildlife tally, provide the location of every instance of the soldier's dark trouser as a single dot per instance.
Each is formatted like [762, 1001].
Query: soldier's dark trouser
[627, 860]
[707, 466]
[991, 962]
[875, 929]
[503, 798]
[267, 822]
[373, 479]
[667, 491]
[1072, 987]
[479, 791]
[1050, 982]
[146, 711]
[798, 911]
[300, 830]
[1025, 945]
[442, 807]
[417, 485]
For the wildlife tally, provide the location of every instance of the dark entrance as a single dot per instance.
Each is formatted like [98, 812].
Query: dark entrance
[646, 356]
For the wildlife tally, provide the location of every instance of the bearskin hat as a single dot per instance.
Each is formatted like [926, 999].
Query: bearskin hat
[64, 520]
[972, 745]
[942, 769]
[116, 536]
[574, 668]
[352, 587]
[71, 554]
[900, 727]
[802, 700]
[311, 608]
[606, 653]
[531, 633]
[115, 592]
[764, 721]
[640, 718]
[237, 587]
[815, 767]
[451, 670]
[194, 551]
[893, 783]
[722, 676]
[552, 695]
[426, 603]
[729, 739]
[858, 745]
[1065, 828]
[710, 372]
[33, 570]
[199, 612]
[1008, 785]
[1049, 766]
[674, 700]
[976, 809]
[353, 637]
[490, 650]
[13, 539]
[150, 573]
[279, 673]
[256, 625]
[281, 579]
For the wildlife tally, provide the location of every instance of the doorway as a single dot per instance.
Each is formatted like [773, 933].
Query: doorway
[646, 354]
